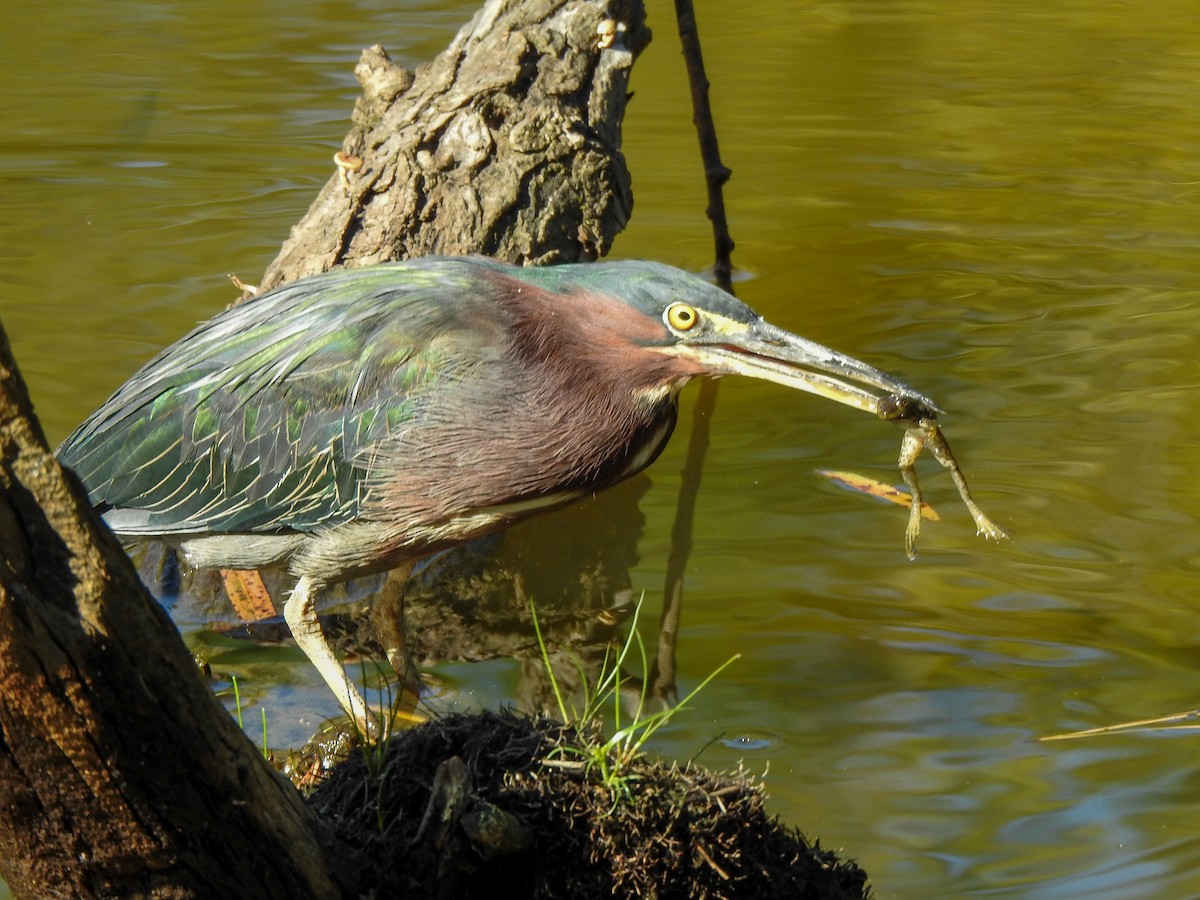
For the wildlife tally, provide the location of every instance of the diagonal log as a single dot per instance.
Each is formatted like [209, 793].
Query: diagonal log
[508, 144]
[120, 772]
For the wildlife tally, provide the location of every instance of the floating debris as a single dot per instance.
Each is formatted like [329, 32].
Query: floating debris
[1189, 721]
[880, 490]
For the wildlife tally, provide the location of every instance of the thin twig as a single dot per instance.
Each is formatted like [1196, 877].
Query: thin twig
[708, 859]
[715, 172]
[1177, 722]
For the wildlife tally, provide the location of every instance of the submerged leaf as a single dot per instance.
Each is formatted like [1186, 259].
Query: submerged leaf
[861, 484]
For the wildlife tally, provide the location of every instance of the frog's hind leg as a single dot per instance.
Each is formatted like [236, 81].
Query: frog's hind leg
[942, 453]
[910, 448]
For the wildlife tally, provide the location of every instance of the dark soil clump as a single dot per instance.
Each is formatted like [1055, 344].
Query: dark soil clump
[515, 814]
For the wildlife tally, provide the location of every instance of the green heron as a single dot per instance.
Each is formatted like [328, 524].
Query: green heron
[359, 420]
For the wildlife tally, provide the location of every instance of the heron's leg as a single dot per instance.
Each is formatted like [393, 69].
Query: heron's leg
[387, 612]
[300, 613]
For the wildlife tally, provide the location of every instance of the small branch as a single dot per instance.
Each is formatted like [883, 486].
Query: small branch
[715, 172]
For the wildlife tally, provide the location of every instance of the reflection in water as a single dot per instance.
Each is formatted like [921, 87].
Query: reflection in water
[469, 604]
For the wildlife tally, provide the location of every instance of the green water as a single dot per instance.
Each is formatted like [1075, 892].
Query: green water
[998, 202]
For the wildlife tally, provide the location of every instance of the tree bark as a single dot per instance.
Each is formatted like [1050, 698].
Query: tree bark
[508, 145]
[120, 774]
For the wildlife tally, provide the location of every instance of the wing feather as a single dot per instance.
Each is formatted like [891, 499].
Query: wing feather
[267, 417]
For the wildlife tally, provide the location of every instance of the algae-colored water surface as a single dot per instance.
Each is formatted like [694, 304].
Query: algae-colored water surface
[997, 202]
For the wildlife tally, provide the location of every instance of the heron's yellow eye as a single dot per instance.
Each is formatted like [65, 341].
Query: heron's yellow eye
[682, 317]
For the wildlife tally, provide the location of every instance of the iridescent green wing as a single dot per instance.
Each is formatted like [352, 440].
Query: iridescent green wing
[264, 418]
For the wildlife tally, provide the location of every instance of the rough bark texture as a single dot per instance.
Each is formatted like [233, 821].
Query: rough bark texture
[508, 144]
[120, 773]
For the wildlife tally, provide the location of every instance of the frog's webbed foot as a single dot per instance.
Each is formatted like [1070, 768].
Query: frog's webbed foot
[989, 529]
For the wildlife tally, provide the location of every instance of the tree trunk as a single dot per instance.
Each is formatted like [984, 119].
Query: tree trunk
[120, 774]
[508, 145]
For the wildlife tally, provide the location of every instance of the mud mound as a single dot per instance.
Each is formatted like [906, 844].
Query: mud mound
[497, 805]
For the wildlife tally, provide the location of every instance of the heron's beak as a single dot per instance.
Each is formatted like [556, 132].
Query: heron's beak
[762, 350]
